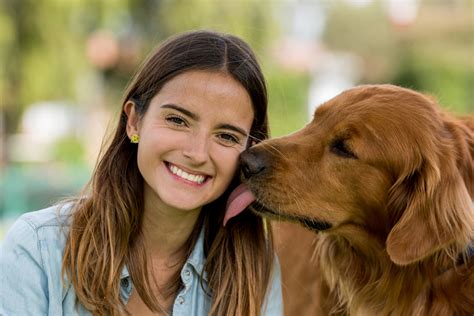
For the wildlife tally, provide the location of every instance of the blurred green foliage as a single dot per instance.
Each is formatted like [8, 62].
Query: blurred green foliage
[69, 150]
[451, 83]
[287, 100]
[433, 54]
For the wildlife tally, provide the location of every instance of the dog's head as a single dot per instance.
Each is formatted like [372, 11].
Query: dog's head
[379, 159]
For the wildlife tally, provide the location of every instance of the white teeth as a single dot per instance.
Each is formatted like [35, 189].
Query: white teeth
[200, 179]
[190, 177]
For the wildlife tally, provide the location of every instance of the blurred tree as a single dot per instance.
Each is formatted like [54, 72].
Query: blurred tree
[45, 41]
[433, 53]
[42, 57]
[364, 31]
[251, 19]
[437, 55]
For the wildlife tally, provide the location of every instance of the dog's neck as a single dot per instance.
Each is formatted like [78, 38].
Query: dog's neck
[363, 276]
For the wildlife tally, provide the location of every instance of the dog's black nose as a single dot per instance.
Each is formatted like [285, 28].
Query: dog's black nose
[251, 163]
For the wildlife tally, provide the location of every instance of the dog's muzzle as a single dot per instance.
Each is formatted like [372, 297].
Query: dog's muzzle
[253, 162]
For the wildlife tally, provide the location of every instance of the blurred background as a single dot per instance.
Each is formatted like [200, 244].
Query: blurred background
[64, 66]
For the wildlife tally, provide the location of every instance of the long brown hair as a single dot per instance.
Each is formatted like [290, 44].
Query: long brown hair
[105, 232]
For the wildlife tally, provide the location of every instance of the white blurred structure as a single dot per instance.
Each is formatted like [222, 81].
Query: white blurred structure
[301, 49]
[334, 73]
[302, 25]
[402, 13]
[43, 124]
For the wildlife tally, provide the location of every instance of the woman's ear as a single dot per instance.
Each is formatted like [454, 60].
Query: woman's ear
[132, 118]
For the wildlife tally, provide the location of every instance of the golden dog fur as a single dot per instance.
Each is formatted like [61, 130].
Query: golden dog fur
[384, 180]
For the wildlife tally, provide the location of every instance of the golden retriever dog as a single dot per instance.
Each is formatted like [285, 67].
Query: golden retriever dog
[383, 180]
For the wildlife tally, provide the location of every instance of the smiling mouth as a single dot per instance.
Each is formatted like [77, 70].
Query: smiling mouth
[194, 178]
[310, 223]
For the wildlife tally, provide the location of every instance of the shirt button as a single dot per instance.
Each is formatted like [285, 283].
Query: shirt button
[124, 282]
[180, 300]
[187, 273]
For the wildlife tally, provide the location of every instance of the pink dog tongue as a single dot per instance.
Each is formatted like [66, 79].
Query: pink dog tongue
[238, 200]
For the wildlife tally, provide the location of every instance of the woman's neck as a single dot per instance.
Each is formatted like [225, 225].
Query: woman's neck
[166, 230]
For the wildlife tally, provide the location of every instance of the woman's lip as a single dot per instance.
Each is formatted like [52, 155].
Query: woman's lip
[169, 164]
[186, 181]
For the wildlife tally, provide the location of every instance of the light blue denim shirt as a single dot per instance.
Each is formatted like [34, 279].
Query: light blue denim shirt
[31, 283]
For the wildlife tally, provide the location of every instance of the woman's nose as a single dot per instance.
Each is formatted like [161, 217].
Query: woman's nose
[197, 148]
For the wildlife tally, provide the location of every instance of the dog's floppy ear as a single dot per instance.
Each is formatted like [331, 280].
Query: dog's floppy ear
[433, 205]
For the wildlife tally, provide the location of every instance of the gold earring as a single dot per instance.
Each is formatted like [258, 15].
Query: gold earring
[134, 139]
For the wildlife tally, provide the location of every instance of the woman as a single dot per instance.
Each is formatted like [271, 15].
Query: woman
[147, 238]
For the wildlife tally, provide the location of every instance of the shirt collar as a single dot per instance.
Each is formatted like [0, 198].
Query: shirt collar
[196, 259]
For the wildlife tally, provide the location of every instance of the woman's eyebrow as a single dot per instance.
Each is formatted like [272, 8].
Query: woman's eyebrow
[194, 116]
[233, 128]
[182, 110]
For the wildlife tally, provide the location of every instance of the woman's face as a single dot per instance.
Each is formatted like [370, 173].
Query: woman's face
[190, 139]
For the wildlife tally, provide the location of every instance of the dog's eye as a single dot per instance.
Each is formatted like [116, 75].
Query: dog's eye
[340, 148]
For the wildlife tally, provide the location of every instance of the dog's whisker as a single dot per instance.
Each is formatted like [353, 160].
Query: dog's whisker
[269, 148]
[256, 139]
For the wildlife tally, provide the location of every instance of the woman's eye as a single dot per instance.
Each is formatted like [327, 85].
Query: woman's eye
[229, 138]
[176, 120]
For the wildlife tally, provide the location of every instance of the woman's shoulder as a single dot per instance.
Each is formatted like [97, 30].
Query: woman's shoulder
[30, 262]
[51, 224]
[39, 235]
[53, 216]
